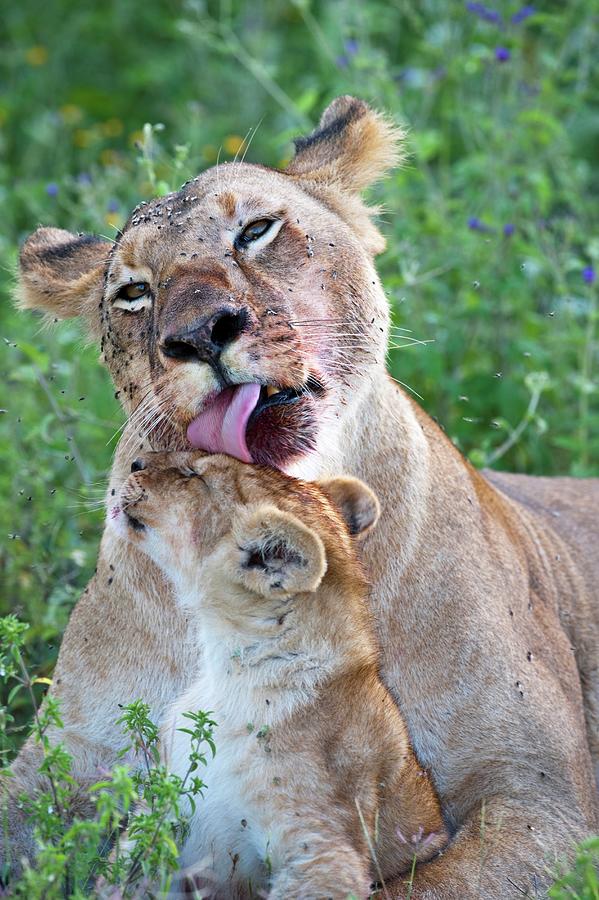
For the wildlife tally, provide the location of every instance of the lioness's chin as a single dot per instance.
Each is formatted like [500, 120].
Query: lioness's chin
[280, 434]
[260, 424]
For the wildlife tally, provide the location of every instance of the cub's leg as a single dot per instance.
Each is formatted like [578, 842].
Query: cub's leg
[323, 866]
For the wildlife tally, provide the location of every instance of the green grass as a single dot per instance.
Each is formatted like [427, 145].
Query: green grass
[491, 226]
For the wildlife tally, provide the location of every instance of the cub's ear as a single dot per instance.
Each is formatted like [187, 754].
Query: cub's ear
[358, 505]
[276, 553]
[352, 147]
[62, 273]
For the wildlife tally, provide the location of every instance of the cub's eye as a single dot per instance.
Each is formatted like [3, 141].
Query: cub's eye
[133, 297]
[134, 291]
[254, 230]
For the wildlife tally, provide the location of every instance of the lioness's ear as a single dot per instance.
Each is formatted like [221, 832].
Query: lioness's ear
[278, 554]
[62, 273]
[352, 147]
[358, 505]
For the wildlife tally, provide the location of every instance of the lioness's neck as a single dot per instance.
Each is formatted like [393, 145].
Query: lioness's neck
[385, 445]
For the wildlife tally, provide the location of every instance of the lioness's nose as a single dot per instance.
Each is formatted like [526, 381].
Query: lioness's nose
[207, 337]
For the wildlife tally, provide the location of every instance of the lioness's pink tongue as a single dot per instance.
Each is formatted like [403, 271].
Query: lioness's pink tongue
[220, 428]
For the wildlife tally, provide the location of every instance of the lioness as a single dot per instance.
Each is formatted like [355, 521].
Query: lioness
[244, 314]
[313, 760]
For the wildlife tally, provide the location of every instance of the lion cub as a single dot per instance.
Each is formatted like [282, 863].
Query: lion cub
[314, 773]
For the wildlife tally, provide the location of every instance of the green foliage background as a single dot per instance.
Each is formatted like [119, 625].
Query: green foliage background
[493, 142]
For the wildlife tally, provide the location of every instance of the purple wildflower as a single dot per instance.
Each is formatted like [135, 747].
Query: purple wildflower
[351, 46]
[484, 13]
[84, 179]
[52, 189]
[509, 229]
[418, 840]
[113, 206]
[409, 75]
[475, 224]
[525, 13]
[588, 274]
[502, 54]
[342, 61]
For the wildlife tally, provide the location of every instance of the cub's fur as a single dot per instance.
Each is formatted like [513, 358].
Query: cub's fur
[485, 592]
[313, 764]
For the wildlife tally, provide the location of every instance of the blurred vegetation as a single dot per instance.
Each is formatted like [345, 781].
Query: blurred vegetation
[492, 240]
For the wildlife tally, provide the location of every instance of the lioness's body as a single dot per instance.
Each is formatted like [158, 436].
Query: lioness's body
[486, 608]
[473, 589]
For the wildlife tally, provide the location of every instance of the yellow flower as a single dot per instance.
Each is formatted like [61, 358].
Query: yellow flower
[82, 138]
[209, 153]
[71, 114]
[37, 56]
[113, 219]
[109, 157]
[112, 128]
[136, 137]
[233, 144]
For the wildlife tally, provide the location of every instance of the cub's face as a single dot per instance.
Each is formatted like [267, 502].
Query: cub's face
[211, 522]
[242, 314]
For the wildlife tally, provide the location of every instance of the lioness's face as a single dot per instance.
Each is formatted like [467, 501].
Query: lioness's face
[239, 315]
[242, 314]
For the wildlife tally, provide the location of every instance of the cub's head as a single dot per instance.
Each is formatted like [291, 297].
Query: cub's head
[241, 314]
[214, 525]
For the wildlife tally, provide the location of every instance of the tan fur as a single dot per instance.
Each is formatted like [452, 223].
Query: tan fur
[52, 280]
[352, 147]
[485, 595]
[327, 770]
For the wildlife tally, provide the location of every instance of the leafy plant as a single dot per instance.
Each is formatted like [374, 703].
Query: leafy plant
[582, 881]
[80, 854]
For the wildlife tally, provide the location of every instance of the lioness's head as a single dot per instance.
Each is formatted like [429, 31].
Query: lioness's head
[205, 518]
[241, 313]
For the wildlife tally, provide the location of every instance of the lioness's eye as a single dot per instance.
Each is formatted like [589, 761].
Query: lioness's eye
[254, 230]
[134, 291]
[133, 297]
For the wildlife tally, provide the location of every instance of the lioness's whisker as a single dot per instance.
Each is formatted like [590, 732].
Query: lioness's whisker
[407, 387]
[316, 319]
[334, 334]
[247, 142]
[410, 344]
[139, 426]
[331, 327]
[139, 438]
[327, 326]
[137, 411]
[217, 167]
[137, 432]
[334, 349]
[337, 350]
[323, 341]
[83, 508]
